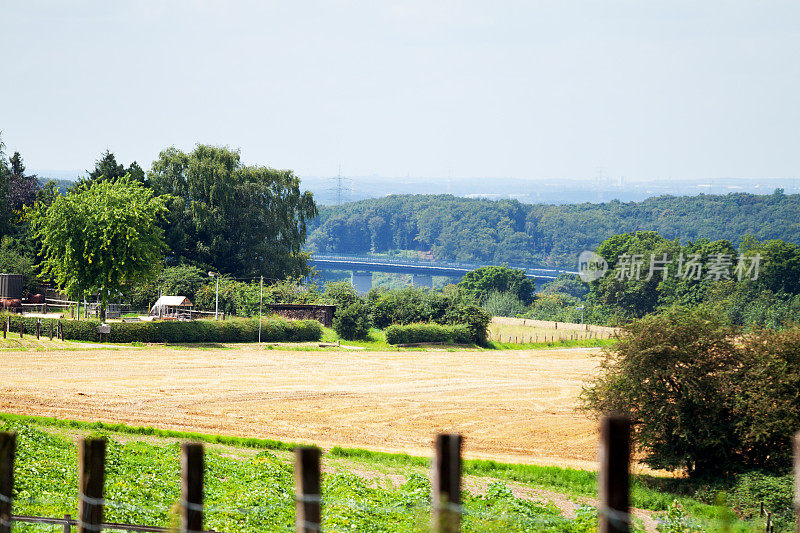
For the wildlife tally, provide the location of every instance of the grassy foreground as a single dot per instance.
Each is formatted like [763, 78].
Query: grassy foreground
[249, 484]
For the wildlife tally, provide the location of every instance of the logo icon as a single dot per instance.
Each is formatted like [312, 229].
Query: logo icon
[591, 266]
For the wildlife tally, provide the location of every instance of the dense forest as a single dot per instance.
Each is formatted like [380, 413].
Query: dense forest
[507, 231]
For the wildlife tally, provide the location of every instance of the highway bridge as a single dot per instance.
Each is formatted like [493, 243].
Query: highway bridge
[362, 267]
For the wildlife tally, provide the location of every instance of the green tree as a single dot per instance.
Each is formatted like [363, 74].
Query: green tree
[341, 293]
[630, 286]
[107, 168]
[503, 304]
[22, 187]
[673, 374]
[236, 219]
[485, 280]
[14, 260]
[100, 238]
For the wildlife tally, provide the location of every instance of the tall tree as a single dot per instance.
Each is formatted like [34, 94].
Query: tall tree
[22, 187]
[237, 219]
[482, 282]
[100, 237]
[107, 168]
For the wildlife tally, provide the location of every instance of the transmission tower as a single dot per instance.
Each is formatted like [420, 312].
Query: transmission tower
[341, 187]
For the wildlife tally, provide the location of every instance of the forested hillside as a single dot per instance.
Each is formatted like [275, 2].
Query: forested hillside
[507, 231]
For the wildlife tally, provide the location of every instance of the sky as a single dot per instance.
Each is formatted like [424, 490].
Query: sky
[647, 90]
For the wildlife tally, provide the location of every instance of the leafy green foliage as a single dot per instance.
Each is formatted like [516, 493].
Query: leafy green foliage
[107, 169]
[352, 321]
[340, 293]
[676, 521]
[412, 304]
[431, 332]
[480, 283]
[703, 398]
[101, 238]
[251, 492]
[273, 329]
[236, 219]
[497, 232]
[765, 396]
[503, 304]
[671, 374]
[22, 187]
[14, 260]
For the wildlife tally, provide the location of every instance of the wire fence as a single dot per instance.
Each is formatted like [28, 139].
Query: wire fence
[439, 506]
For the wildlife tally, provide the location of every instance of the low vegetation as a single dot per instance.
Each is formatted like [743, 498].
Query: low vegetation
[273, 329]
[428, 333]
[249, 486]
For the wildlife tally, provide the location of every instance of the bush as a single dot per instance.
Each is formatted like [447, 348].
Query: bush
[412, 305]
[704, 397]
[503, 304]
[671, 373]
[340, 293]
[414, 333]
[352, 322]
[274, 329]
[476, 319]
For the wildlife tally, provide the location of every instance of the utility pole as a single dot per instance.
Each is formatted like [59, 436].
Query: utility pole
[216, 308]
[260, 306]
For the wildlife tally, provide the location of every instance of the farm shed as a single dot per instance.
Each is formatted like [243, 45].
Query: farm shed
[172, 306]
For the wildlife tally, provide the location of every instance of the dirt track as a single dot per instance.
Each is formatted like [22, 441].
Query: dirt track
[511, 406]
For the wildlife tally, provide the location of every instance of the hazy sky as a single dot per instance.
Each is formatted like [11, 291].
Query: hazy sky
[640, 89]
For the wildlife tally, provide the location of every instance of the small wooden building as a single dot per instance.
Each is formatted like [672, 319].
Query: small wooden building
[172, 307]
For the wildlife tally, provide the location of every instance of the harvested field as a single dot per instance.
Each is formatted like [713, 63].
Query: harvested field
[524, 330]
[515, 406]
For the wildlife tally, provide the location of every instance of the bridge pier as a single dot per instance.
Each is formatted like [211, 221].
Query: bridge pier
[361, 281]
[422, 280]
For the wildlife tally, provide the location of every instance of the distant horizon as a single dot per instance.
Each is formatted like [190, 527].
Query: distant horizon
[531, 191]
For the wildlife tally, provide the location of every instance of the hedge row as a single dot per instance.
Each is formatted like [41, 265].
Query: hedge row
[430, 332]
[273, 329]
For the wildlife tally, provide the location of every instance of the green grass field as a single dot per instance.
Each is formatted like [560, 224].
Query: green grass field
[249, 485]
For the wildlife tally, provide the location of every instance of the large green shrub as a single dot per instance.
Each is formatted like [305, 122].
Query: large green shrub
[704, 398]
[412, 304]
[413, 333]
[671, 373]
[274, 329]
[352, 322]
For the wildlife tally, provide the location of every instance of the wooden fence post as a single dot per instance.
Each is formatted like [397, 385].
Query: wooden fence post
[91, 469]
[51, 330]
[192, 464]
[615, 449]
[38, 328]
[8, 443]
[5, 327]
[21, 327]
[67, 526]
[446, 498]
[308, 499]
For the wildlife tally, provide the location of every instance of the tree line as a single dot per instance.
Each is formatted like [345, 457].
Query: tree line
[509, 232]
